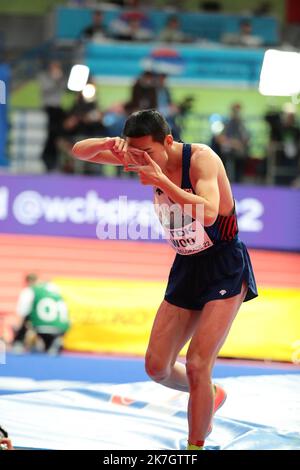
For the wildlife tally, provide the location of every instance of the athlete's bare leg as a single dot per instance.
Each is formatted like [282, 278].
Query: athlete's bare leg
[172, 328]
[210, 334]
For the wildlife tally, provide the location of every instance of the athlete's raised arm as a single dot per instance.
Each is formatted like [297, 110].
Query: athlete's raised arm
[101, 150]
[108, 150]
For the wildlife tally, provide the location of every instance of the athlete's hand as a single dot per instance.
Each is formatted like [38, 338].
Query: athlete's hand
[115, 145]
[125, 154]
[129, 156]
[149, 173]
[120, 146]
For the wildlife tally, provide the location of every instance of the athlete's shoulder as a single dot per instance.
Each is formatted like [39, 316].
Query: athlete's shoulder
[203, 150]
[204, 158]
[199, 147]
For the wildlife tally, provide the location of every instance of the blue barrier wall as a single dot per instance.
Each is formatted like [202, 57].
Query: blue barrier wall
[4, 83]
[71, 21]
[214, 64]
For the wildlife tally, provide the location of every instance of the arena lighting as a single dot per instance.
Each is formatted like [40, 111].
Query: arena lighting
[216, 124]
[78, 77]
[89, 92]
[280, 73]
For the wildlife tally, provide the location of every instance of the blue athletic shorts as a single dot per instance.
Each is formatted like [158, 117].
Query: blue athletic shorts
[215, 273]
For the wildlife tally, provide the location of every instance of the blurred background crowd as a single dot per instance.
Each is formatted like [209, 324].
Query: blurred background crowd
[196, 61]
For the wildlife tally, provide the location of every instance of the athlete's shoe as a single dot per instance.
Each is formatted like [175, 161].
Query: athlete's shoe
[219, 400]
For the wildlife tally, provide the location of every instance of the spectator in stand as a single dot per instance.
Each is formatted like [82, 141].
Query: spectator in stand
[165, 104]
[172, 31]
[285, 143]
[96, 31]
[84, 120]
[244, 37]
[150, 91]
[143, 93]
[53, 85]
[132, 26]
[233, 144]
[164, 100]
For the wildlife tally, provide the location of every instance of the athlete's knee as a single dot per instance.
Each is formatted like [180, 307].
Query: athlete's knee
[198, 368]
[157, 369]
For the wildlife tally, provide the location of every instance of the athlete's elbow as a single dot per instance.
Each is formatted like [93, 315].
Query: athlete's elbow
[210, 218]
[207, 217]
[77, 151]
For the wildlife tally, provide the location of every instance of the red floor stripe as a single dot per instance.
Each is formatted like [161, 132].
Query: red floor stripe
[75, 257]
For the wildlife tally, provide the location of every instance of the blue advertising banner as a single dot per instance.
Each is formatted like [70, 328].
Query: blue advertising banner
[81, 206]
[220, 64]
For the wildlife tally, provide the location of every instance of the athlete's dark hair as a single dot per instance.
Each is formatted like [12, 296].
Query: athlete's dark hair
[147, 122]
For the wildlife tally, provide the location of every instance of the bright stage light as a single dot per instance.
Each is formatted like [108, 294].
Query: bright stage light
[89, 91]
[280, 73]
[78, 77]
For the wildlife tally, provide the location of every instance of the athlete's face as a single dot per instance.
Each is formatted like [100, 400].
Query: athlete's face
[157, 151]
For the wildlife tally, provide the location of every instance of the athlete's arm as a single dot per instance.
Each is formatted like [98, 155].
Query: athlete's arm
[114, 151]
[204, 178]
[104, 150]
[204, 182]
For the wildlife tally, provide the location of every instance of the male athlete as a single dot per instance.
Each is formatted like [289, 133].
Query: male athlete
[211, 275]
